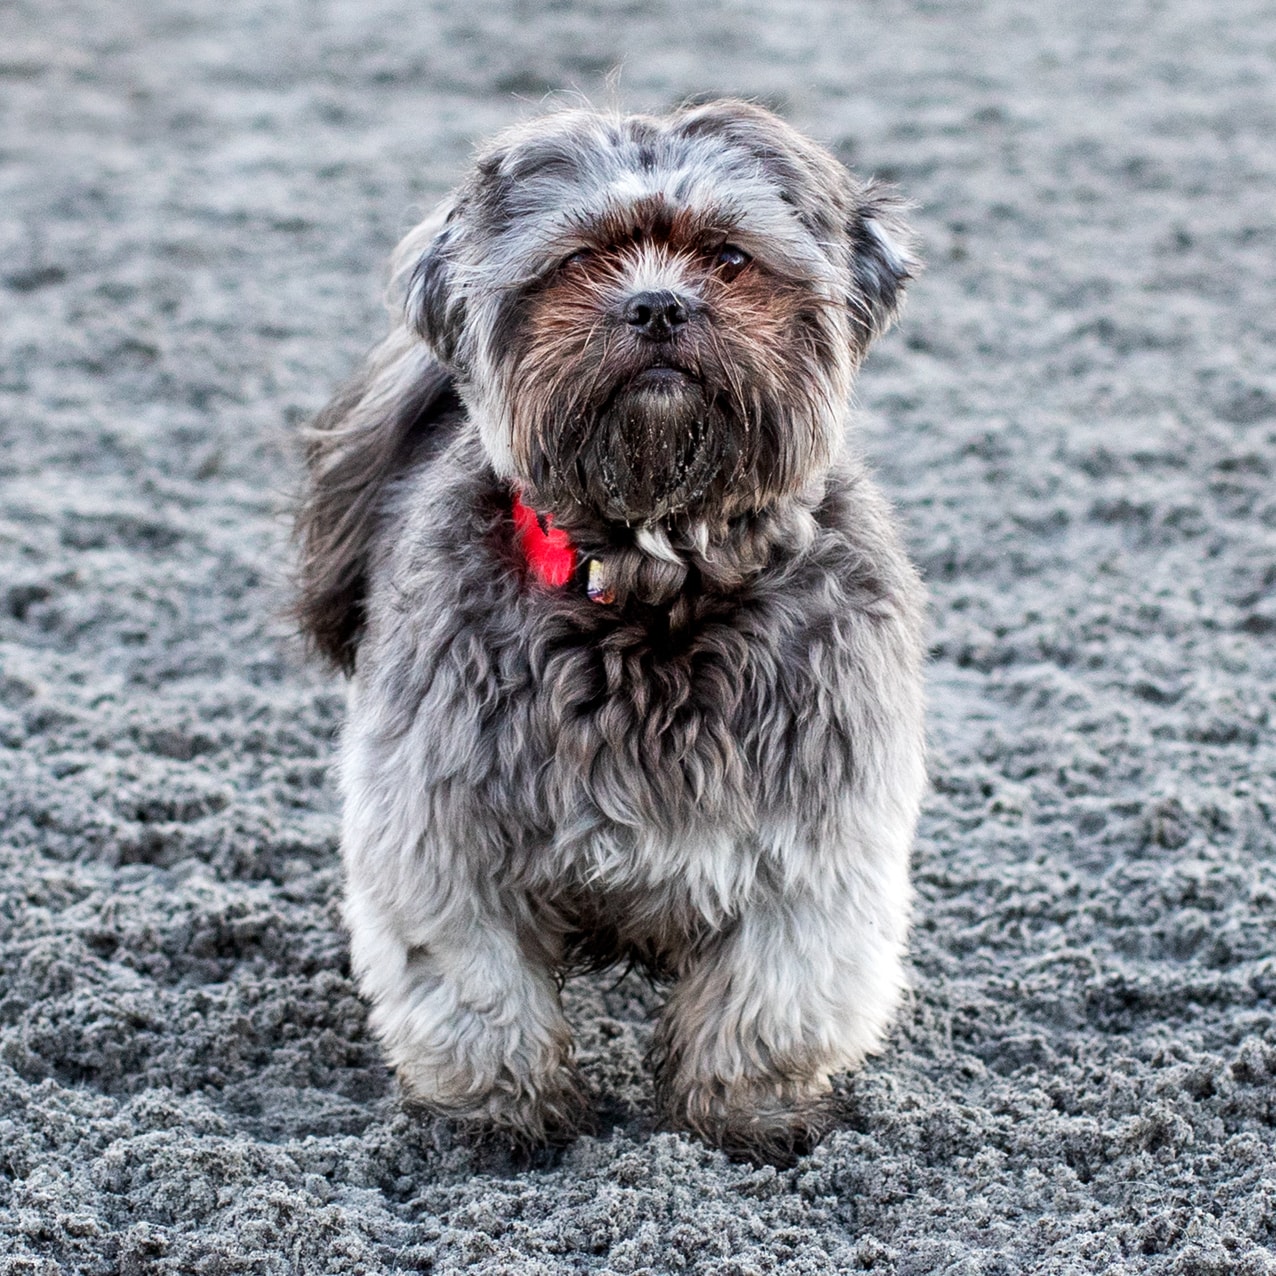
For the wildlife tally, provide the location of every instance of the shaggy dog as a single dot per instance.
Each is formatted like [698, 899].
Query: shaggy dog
[636, 651]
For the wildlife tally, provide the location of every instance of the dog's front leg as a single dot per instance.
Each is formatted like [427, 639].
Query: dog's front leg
[472, 1028]
[470, 1020]
[803, 985]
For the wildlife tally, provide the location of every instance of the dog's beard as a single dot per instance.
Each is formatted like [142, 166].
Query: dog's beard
[655, 441]
[654, 447]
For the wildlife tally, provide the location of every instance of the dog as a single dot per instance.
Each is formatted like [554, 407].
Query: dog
[636, 651]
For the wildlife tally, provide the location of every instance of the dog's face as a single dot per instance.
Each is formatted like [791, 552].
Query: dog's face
[656, 316]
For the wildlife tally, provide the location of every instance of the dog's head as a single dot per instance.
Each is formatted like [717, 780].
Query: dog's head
[650, 316]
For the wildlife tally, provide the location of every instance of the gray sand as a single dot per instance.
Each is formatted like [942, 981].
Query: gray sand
[1077, 420]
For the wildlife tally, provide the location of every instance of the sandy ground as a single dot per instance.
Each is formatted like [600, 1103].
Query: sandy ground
[1078, 421]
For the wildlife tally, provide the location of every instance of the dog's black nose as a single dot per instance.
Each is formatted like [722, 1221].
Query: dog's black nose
[656, 315]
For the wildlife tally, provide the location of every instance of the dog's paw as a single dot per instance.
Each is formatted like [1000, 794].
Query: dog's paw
[762, 1121]
[549, 1111]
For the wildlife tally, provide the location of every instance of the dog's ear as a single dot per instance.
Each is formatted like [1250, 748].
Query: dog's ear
[431, 304]
[828, 200]
[882, 260]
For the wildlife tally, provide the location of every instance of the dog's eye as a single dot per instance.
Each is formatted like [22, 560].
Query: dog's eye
[578, 258]
[731, 260]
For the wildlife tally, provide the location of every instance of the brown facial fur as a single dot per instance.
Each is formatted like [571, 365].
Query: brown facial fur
[724, 436]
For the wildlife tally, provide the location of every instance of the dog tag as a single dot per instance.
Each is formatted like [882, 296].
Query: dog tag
[596, 586]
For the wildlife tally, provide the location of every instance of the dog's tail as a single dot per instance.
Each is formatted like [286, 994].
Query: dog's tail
[383, 420]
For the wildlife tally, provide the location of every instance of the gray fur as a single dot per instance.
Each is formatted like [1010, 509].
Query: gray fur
[719, 772]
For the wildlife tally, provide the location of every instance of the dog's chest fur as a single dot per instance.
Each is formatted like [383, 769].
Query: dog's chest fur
[642, 772]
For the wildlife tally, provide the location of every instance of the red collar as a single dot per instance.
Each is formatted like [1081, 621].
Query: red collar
[550, 554]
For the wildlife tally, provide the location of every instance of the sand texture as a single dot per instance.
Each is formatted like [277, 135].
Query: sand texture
[1077, 420]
